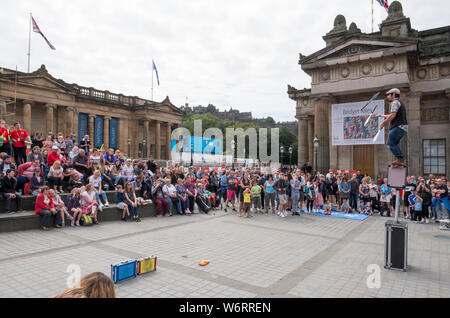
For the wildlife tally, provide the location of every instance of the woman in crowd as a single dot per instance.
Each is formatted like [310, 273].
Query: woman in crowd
[85, 144]
[373, 194]
[95, 157]
[60, 143]
[34, 154]
[74, 206]
[48, 144]
[107, 181]
[170, 194]
[295, 194]
[96, 181]
[310, 193]
[55, 176]
[130, 200]
[36, 183]
[344, 190]
[37, 140]
[116, 173]
[269, 196]
[183, 197]
[95, 285]
[45, 208]
[385, 199]
[128, 171]
[59, 205]
[89, 204]
[364, 192]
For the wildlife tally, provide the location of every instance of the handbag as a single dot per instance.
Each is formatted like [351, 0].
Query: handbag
[86, 220]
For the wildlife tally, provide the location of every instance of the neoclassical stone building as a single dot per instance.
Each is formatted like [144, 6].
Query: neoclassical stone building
[355, 65]
[130, 123]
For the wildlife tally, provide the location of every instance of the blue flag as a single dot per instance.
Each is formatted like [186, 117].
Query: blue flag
[154, 68]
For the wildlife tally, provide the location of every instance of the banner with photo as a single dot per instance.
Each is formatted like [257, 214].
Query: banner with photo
[348, 124]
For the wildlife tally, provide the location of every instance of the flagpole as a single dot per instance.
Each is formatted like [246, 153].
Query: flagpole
[372, 16]
[29, 45]
[152, 81]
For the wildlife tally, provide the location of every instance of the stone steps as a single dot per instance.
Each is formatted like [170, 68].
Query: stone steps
[28, 201]
[27, 221]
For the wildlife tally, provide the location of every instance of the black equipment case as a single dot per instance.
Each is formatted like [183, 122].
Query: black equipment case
[396, 256]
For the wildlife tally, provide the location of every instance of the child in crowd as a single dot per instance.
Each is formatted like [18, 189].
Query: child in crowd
[345, 207]
[74, 206]
[369, 209]
[96, 181]
[256, 196]
[74, 181]
[418, 202]
[247, 203]
[120, 201]
[59, 204]
[411, 200]
[362, 207]
[327, 208]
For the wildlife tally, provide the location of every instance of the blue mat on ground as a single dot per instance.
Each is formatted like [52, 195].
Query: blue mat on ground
[341, 215]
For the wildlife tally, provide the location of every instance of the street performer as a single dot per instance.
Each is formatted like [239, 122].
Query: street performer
[398, 125]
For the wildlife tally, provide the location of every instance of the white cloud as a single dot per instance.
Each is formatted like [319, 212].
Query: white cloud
[230, 53]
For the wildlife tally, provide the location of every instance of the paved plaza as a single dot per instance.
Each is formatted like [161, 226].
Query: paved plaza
[265, 257]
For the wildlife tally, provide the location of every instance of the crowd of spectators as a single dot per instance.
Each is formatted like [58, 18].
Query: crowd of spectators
[57, 165]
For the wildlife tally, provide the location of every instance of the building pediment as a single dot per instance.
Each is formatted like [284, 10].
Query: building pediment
[43, 82]
[349, 48]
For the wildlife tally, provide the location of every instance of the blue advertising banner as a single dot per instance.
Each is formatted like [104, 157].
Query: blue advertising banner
[201, 145]
[82, 125]
[98, 131]
[113, 123]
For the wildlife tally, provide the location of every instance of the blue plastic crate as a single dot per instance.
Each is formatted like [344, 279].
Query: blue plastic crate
[124, 270]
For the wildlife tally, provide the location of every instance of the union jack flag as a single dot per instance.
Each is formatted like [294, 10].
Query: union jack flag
[37, 30]
[384, 3]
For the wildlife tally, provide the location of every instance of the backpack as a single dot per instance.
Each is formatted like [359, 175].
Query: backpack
[86, 220]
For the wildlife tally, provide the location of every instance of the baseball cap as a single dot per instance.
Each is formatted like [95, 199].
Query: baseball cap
[393, 91]
[54, 148]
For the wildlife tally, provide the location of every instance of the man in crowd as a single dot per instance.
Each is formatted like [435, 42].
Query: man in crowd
[4, 138]
[26, 172]
[20, 138]
[80, 163]
[5, 165]
[151, 164]
[8, 191]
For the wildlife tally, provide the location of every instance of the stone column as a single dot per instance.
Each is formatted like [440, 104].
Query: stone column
[310, 140]
[302, 141]
[447, 162]
[106, 120]
[147, 136]
[168, 141]
[333, 149]
[75, 125]
[50, 117]
[27, 115]
[91, 130]
[322, 131]
[3, 109]
[158, 140]
[69, 120]
[414, 153]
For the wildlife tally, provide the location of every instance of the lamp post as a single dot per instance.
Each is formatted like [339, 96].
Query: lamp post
[192, 153]
[144, 145]
[290, 157]
[316, 148]
[282, 152]
[129, 147]
[233, 146]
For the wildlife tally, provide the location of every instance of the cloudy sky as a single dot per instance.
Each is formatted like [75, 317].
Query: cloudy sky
[229, 53]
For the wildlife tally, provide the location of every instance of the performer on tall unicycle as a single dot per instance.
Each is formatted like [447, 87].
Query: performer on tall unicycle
[398, 125]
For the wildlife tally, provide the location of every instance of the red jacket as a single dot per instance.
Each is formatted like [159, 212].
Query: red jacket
[52, 157]
[40, 204]
[24, 167]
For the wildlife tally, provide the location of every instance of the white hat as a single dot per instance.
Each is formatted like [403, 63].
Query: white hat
[55, 148]
[393, 91]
